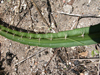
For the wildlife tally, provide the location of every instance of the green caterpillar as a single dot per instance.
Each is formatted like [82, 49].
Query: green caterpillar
[76, 37]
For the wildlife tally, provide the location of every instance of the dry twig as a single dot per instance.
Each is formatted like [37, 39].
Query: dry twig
[75, 24]
[29, 11]
[30, 57]
[52, 57]
[87, 59]
[39, 11]
[81, 16]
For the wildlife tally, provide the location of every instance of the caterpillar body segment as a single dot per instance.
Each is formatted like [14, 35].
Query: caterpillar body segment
[54, 40]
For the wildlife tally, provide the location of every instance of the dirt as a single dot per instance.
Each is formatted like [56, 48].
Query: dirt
[20, 59]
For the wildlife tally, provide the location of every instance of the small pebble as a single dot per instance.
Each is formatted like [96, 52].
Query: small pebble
[2, 1]
[86, 73]
[42, 13]
[31, 69]
[45, 63]
[22, 57]
[10, 44]
[43, 72]
[25, 47]
[73, 48]
[70, 63]
[52, 25]
[29, 25]
[15, 69]
[2, 52]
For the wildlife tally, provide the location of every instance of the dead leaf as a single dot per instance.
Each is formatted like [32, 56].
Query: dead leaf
[83, 54]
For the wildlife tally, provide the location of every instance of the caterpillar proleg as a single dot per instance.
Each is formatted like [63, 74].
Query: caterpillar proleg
[65, 36]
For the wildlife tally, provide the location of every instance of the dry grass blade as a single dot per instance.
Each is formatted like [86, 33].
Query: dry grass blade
[52, 57]
[29, 11]
[87, 59]
[81, 16]
[29, 57]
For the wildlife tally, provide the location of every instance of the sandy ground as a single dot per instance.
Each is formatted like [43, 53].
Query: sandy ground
[32, 60]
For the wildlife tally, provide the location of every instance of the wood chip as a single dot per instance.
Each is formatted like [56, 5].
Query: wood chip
[84, 54]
